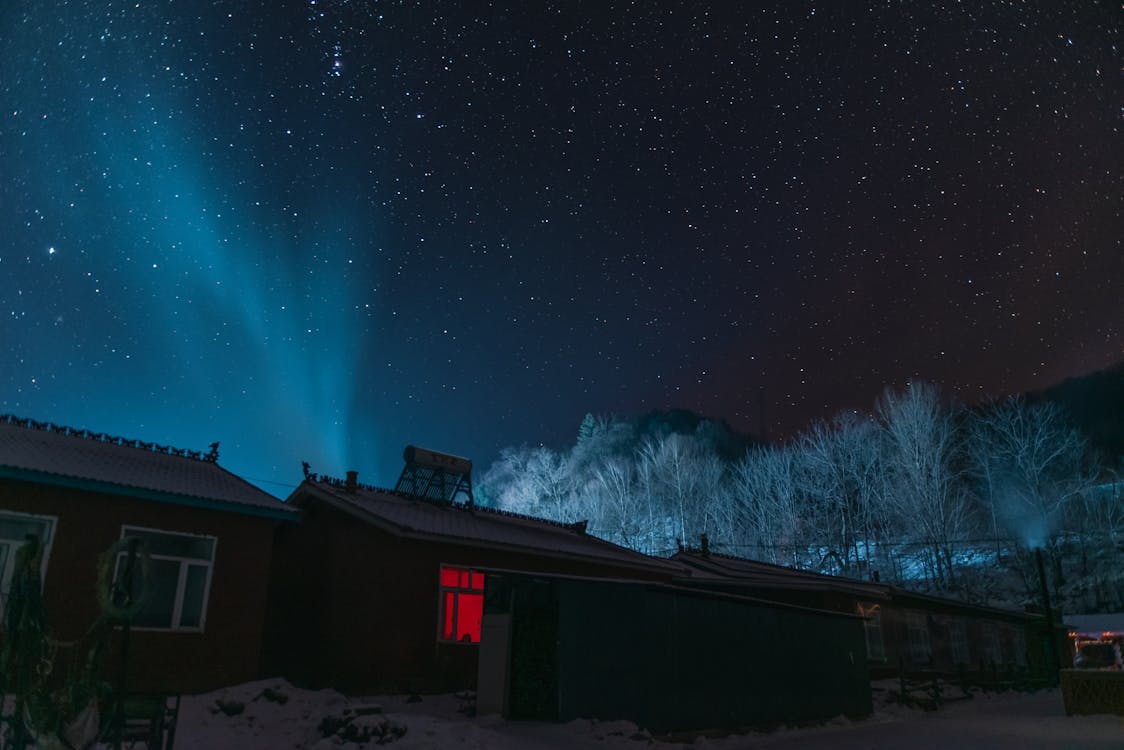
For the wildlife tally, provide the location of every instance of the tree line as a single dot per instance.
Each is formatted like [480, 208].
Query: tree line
[918, 490]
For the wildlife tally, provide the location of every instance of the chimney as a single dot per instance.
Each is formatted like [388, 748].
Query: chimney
[705, 540]
[352, 483]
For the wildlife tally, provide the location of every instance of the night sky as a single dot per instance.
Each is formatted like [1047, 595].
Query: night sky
[323, 230]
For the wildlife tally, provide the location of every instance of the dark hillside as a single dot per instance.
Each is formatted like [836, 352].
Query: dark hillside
[1096, 404]
[726, 442]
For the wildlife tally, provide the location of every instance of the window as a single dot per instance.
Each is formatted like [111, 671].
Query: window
[461, 604]
[179, 578]
[917, 624]
[872, 627]
[14, 530]
[958, 642]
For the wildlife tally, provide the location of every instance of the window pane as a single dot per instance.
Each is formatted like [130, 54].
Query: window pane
[191, 615]
[17, 528]
[449, 577]
[175, 545]
[478, 581]
[447, 604]
[464, 579]
[164, 576]
[470, 608]
[918, 625]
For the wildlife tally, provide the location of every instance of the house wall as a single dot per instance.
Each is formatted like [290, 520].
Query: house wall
[229, 648]
[939, 617]
[671, 659]
[356, 608]
[993, 643]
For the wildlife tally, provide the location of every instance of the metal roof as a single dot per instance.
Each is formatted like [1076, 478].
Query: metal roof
[717, 568]
[52, 454]
[1095, 624]
[411, 516]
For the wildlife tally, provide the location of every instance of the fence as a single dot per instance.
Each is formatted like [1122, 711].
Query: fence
[1089, 691]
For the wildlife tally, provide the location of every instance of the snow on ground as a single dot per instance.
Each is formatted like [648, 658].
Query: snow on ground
[273, 715]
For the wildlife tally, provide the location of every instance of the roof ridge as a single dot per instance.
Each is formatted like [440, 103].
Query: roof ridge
[574, 526]
[782, 568]
[341, 484]
[211, 456]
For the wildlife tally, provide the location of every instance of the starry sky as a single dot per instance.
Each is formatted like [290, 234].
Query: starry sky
[322, 230]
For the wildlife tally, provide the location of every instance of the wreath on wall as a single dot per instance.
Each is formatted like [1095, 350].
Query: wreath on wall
[120, 601]
[57, 698]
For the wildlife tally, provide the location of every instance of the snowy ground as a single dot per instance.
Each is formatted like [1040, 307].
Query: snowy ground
[274, 715]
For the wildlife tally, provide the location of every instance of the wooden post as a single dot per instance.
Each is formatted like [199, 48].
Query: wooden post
[901, 677]
[1052, 663]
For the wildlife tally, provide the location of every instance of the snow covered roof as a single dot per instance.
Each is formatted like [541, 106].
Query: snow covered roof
[717, 568]
[1095, 625]
[720, 569]
[63, 456]
[415, 517]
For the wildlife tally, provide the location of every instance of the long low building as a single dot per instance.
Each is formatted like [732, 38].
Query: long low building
[419, 589]
[666, 656]
[905, 630]
[379, 589]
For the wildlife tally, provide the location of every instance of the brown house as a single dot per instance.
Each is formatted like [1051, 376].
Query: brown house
[904, 629]
[379, 589]
[208, 535]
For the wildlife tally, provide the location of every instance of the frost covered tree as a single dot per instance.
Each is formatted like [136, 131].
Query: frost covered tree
[843, 482]
[618, 509]
[1101, 523]
[683, 478]
[924, 469]
[766, 512]
[1035, 468]
[1033, 464]
[533, 481]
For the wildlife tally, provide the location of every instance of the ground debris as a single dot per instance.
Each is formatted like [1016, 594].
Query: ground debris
[362, 724]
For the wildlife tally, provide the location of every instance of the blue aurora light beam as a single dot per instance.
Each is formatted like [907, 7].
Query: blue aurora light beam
[187, 305]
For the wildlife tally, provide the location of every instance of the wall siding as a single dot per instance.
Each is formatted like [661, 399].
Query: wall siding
[375, 624]
[229, 648]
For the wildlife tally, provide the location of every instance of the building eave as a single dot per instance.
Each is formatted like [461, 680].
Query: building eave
[657, 566]
[143, 493]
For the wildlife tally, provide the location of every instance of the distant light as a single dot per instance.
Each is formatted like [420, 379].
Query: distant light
[51, 250]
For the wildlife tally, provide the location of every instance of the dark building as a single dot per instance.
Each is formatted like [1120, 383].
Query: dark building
[208, 534]
[383, 590]
[904, 629]
[667, 657]
[420, 589]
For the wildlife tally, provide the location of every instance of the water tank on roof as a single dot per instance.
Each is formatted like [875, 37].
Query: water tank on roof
[444, 461]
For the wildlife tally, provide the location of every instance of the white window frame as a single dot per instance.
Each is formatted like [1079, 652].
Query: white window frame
[917, 630]
[181, 582]
[12, 547]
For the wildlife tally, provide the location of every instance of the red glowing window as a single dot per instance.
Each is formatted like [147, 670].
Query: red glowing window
[462, 604]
